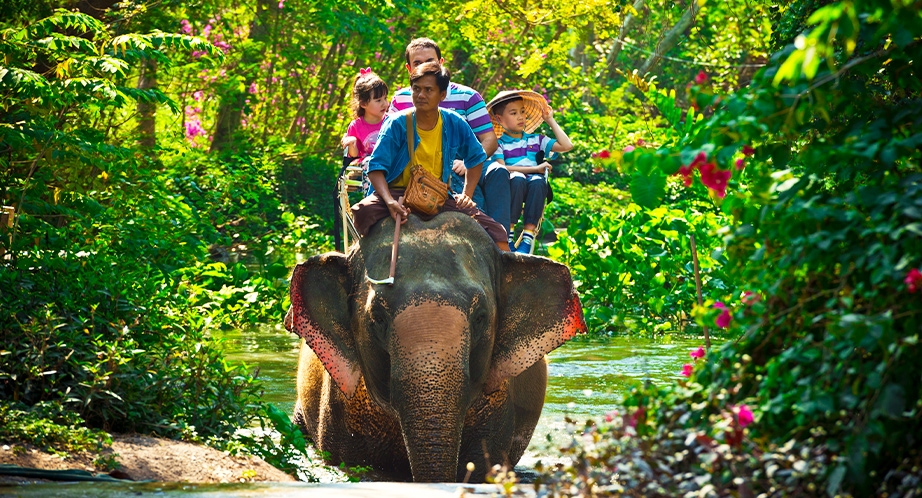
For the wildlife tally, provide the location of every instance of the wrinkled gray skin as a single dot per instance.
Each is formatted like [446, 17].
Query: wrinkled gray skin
[442, 368]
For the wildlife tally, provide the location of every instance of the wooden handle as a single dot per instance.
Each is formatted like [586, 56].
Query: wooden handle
[396, 238]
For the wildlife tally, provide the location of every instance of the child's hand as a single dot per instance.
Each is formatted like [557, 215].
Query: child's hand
[349, 141]
[547, 113]
[545, 166]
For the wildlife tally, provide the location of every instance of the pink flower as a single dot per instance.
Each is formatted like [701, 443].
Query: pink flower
[715, 178]
[748, 150]
[743, 415]
[913, 280]
[635, 417]
[698, 353]
[701, 77]
[740, 163]
[544, 56]
[629, 148]
[722, 321]
[611, 415]
[641, 142]
[185, 27]
[749, 298]
[281, 4]
[197, 95]
[687, 369]
[253, 88]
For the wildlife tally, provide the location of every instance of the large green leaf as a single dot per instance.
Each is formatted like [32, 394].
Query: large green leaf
[648, 191]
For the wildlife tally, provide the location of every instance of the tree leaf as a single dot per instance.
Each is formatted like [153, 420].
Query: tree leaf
[648, 191]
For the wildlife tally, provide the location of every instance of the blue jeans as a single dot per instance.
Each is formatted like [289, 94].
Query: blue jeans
[492, 194]
[530, 191]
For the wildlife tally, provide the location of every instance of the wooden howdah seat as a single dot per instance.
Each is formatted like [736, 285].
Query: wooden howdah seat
[349, 181]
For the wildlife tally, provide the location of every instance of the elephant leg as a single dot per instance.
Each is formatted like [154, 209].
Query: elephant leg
[354, 431]
[309, 389]
[527, 392]
[499, 426]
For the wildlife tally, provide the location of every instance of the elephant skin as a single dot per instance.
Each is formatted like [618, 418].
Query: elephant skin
[444, 367]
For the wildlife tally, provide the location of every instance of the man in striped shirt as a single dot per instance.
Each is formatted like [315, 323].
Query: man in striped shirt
[492, 194]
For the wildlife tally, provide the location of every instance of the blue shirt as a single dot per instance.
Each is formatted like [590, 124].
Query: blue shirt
[391, 156]
[524, 151]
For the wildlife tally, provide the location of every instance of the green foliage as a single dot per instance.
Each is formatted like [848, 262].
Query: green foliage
[633, 266]
[822, 232]
[50, 426]
[287, 451]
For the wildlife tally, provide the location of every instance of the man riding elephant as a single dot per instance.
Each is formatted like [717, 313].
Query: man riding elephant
[492, 191]
[440, 135]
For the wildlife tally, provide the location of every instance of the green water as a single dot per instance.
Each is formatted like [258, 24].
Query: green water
[586, 379]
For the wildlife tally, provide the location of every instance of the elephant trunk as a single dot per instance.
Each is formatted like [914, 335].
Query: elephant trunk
[430, 384]
[433, 441]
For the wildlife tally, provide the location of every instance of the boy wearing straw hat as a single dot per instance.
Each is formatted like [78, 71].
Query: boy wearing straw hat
[516, 114]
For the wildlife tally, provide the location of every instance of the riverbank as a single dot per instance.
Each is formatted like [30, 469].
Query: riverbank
[149, 458]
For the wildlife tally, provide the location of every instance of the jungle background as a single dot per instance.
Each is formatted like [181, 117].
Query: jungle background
[166, 164]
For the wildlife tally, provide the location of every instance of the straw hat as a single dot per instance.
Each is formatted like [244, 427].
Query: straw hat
[535, 105]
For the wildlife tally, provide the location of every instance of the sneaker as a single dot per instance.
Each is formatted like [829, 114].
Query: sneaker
[525, 245]
[511, 243]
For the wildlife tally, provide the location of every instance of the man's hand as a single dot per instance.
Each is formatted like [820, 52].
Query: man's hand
[458, 167]
[398, 212]
[464, 201]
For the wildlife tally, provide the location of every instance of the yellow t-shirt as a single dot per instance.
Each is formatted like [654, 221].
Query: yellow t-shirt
[428, 154]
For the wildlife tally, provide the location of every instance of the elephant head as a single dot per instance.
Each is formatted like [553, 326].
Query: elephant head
[460, 320]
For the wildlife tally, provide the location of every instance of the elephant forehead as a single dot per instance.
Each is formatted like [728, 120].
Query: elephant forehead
[433, 329]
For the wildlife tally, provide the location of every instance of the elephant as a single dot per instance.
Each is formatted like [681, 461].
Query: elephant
[445, 366]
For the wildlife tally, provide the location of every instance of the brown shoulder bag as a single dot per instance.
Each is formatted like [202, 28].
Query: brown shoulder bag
[426, 193]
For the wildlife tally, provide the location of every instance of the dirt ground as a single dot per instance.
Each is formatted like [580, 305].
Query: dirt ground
[150, 458]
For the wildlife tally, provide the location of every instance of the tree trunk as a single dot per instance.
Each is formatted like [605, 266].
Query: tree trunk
[231, 108]
[147, 133]
[667, 43]
[618, 45]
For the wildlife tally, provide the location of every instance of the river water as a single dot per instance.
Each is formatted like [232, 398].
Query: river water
[586, 379]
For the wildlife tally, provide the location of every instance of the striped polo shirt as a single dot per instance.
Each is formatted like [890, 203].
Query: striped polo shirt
[523, 151]
[462, 99]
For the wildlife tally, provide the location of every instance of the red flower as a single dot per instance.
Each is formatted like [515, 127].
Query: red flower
[748, 150]
[743, 415]
[723, 320]
[604, 154]
[740, 163]
[715, 178]
[913, 280]
[701, 77]
[641, 142]
[687, 369]
[698, 353]
[687, 170]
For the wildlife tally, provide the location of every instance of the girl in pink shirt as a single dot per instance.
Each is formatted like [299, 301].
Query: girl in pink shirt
[369, 105]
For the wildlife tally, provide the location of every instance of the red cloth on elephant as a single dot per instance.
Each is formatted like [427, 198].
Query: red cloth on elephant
[372, 210]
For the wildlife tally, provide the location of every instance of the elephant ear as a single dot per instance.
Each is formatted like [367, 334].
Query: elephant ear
[319, 313]
[539, 310]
